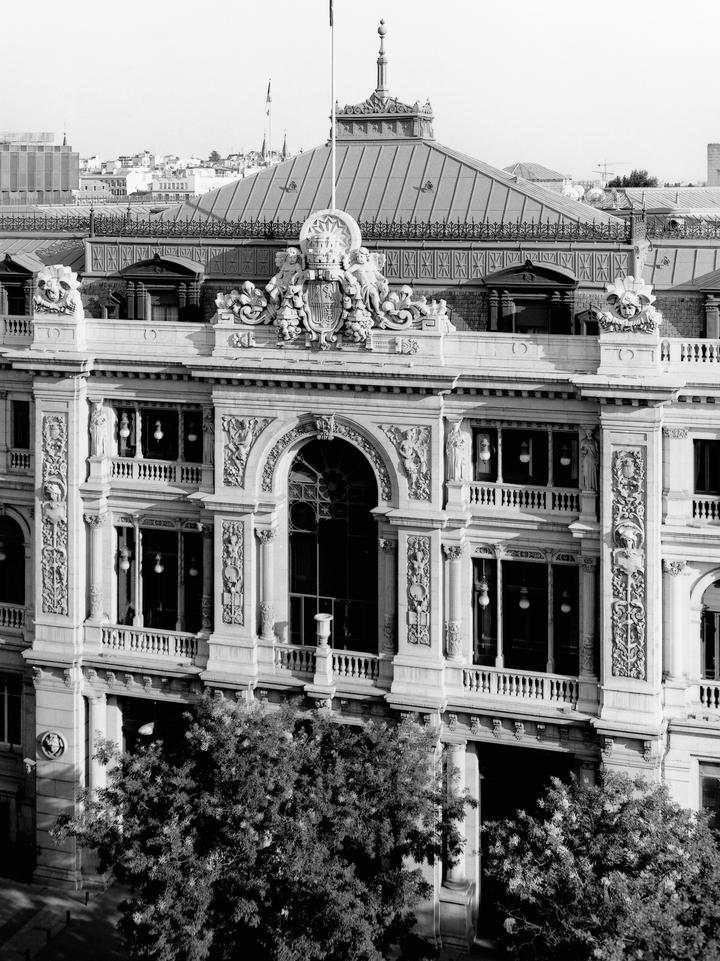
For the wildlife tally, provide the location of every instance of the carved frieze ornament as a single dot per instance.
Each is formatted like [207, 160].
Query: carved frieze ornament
[630, 307]
[325, 425]
[233, 554]
[239, 435]
[452, 639]
[413, 447]
[54, 559]
[328, 286]
[629, 629]
[418, 590]
[57, 292]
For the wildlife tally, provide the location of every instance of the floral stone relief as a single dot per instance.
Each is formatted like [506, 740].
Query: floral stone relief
[629, 643]
[418, 590]
[240, 433]
[233, 555]
[54, 559]
[413, 447]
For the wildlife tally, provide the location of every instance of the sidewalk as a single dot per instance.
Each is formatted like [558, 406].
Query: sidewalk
[50, 925]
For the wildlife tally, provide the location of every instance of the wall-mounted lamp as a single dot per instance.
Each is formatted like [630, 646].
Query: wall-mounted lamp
[565, 605]
[565, 458]
[484, 451]
[3, 554]
[524, 602]
[524, 452]
[193, 568]
[158, 435]
[483, 596]
[124, 562]
[159, 566]
[124, 430]
[192, 433]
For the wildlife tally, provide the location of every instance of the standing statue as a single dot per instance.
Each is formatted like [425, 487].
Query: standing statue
[208, 429]
[589, 459]
[365, 276]
[455, 448]
[98, 433]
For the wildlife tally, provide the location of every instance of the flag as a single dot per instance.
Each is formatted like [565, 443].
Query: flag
[268, 101]
[331, 13]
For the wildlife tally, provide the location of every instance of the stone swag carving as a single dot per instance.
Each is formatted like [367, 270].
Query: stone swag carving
[413, 447]
[630, 307]
[233, 555]
[54, 559]
[456, 451]
[57, 292]
[629, 644]
[331, 285]
[240, 433]
[418, 590]
[589, 461]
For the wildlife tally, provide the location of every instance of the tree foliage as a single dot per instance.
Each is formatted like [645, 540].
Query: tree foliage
[271, 835]
[610, 873]
[214, 157]
[636, 178]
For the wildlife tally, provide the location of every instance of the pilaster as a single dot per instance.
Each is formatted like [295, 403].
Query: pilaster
[677, 476]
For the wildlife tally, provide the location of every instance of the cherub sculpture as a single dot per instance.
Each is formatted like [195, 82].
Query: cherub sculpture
[366, 280]
[57, 292]
[289, 266]
[630, 304]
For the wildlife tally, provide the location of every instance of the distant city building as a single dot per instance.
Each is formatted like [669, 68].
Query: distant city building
[33, 169]
[713, 165]
[539, 175]
[119, 183]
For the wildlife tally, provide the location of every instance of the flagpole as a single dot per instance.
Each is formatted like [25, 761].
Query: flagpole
[269, 124]
[332, 108]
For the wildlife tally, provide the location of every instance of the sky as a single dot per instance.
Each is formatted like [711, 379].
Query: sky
[566, 84]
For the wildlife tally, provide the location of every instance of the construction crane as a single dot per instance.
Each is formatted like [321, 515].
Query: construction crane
[604, 164]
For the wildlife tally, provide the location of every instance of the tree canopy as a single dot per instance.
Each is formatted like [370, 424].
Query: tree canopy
[636, 178]
[214, 157]
[609, 873]
[270, 833]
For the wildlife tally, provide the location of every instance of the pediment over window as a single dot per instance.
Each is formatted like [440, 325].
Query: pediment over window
[531, 274]
[165, 265]
[20, 263]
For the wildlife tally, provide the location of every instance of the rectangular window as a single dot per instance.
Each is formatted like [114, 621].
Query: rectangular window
[485, 611]
[21, 424]
[525, 457]
[10, 708]
[707, 466]
[710, 792]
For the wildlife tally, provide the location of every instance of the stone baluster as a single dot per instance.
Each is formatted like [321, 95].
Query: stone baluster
[453, 638]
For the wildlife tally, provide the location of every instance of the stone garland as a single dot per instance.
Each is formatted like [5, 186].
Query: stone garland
[418, 590]
[233, 554]
[240, 434]
[340, 430]
[413, 447]
[629, 627]
[54, 559]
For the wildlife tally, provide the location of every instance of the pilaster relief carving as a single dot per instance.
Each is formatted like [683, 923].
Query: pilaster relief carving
[240, 433]
[266, 619]
[452, 639]
[418, 590]
[388, 638]
[233, 555]
[54, 560]
[341, 430]
[413, 447]
[676, 433]
[629, 645]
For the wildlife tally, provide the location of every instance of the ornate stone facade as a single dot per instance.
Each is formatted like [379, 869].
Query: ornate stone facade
[54, 552]
[413, 447]
[630, 307]
[418, 590]
[629, 641]
[233, 580]
[57, 292]
[240, 433]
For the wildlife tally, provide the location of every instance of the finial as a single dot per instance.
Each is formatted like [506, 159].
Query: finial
[382, 29]
[382, 87]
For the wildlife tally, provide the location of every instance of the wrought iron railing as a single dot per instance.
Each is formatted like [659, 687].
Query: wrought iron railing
[521, 685]
[128, 225]
[690, 230]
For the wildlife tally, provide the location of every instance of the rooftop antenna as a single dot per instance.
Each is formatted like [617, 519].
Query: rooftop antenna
[332, 108]
[268, 105]
[603, 168]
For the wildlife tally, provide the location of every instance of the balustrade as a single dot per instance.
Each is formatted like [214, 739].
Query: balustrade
[19, 460]
[357, 667]
[522, 685]
[710, 695]
[17, 328]
[156, 471]
[144, 641]
[539, 500]
[295, 658]
[706, 508]
[12, 616]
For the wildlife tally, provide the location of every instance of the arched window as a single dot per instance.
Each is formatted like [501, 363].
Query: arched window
[333, 545]
[12, 562]
[710, 666]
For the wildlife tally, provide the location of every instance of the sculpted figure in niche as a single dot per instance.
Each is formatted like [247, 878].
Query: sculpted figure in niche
[208, 428]
[371, 287]
[98, 432]
[412, 455]
[589, 456]
[455, 449]
[289, 267]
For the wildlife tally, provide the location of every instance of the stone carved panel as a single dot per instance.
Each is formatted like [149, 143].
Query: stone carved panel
[54, 559]
[340, 430]
[418, 590]
[452, 639]
[233, 555]
[413, 447]
[239, 435]
[629, 628]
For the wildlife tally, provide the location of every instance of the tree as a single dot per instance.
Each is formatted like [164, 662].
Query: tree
[636, 178]
[289, 836]
[609, 873]
[214, 157]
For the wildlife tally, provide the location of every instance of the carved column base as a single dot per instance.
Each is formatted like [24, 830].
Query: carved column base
[457, 928]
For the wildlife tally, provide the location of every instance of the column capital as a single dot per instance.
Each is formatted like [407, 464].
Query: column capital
[94, 520]
[676, 433]
[674, 567]
[265, 534]
[387, 545]
[453, 552]
[589, 564]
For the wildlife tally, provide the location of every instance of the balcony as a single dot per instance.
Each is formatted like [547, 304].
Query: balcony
[349, 668]
[19, 461]
[551, 690]
[12, 617]
[564, 501]
[710, 696]
[175, 646]
[180, 474]
[706, 508]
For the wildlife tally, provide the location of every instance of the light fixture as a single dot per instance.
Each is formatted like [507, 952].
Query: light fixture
[565, 458]
[565, 605]
[192, 433]
[124, 430]
[524, 453]
[524, 602]
[159, 566]
[124, 563]
[147, 730]
[483, 597]
[3, 554]
[193, 569]
[484, 453]
[158, 435]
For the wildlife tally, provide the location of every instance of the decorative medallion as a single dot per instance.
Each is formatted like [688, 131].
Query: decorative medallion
[52, 744]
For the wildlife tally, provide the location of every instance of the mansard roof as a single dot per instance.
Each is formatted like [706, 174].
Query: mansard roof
[413, 180]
